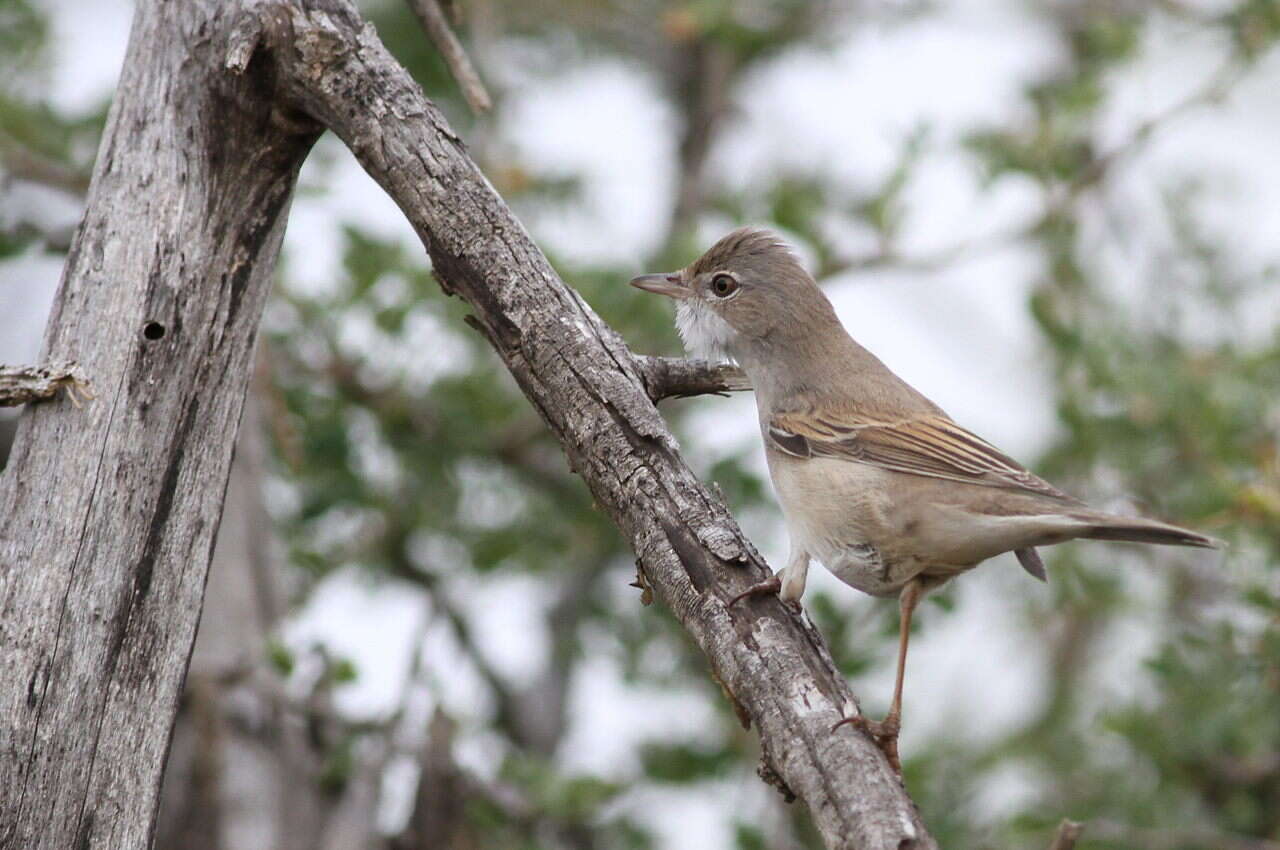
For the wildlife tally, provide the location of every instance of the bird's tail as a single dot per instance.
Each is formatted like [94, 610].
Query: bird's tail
[1137, 530]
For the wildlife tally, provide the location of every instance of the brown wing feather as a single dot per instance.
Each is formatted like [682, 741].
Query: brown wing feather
[929, 445]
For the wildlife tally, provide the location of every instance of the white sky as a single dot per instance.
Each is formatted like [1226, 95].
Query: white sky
[962, 335]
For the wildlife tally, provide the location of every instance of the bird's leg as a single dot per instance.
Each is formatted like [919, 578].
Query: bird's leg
[787, 583]
[794, 575]
[885, 732]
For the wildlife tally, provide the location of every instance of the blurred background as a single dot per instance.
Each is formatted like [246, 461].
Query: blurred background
[1061, 220]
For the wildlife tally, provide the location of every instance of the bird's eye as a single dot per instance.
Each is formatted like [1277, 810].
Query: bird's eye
[723, 285]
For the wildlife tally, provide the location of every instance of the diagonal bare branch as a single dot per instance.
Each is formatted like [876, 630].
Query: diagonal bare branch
[592, 393]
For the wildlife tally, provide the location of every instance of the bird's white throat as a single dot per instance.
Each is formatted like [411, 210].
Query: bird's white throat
[704, 334]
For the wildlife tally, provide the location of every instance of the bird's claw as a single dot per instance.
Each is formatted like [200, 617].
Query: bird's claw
[883, 732]
[769, 587]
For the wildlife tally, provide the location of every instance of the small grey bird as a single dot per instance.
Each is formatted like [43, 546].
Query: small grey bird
[875, 481]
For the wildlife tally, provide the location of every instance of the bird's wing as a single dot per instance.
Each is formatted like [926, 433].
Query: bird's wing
[929, 445]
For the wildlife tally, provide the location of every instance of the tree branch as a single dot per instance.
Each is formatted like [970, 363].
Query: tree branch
[665, 377]
[464, 73]
[25, 384]
[591, 392]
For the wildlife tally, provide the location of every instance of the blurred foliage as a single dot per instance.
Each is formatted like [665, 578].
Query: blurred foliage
[38, 142]
[1161, 396]
[23, 34]
[403, 448]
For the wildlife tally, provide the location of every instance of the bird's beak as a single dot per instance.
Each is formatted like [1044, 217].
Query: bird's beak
[670, 285]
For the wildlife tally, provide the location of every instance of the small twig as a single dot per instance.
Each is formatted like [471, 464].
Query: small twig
[1068, 834]
[22, 163]
[25, 384]
[464, 73]
[665, 377]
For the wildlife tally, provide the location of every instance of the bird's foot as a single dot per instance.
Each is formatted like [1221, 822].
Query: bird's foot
[771, 586]
[883, 732]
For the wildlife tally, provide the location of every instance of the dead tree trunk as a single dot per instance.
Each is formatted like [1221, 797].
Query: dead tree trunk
[108, 512]
[107, 515]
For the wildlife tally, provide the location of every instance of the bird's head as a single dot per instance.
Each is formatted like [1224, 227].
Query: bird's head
[747, 295]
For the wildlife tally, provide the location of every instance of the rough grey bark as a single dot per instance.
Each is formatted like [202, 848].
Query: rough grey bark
[108, 512]
[590, 390]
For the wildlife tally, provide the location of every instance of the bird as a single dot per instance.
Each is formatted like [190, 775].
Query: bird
[875, 481]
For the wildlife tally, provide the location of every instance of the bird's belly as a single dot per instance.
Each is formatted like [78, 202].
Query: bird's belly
[863, 567]
[837, 512]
